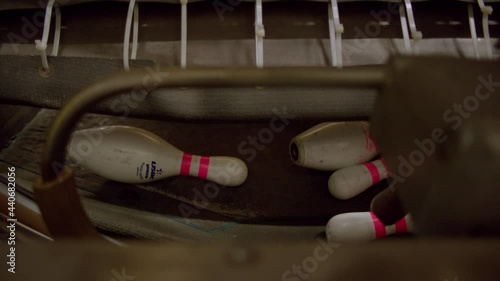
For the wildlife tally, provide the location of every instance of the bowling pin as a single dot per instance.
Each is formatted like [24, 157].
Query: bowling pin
[351, 181]
[363, 227]
[133, 155]
[334, 145]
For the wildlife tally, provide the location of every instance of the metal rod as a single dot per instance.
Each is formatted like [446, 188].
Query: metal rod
[58, 136]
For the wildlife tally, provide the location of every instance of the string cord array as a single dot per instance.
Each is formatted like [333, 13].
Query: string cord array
[41, 45]
[336, 29]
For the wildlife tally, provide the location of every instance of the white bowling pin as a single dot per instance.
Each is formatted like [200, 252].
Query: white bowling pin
[363, 227]
[351, 181]
[133, 155]
[334, 145]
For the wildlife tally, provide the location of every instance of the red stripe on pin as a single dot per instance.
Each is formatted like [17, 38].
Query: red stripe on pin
[401, 226]
[203, 170]
[373, 172]
[186, 164]
[385, 166]
[373, 141]
[368, 145]
[379, 226]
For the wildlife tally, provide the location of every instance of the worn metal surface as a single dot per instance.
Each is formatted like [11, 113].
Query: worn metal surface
[438, 127]
[437, 260]
[58, 135]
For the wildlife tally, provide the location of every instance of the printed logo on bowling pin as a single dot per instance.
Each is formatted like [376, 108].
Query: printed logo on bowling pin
[351, 181]
[363, 227]
[146, 174]
[133, 155]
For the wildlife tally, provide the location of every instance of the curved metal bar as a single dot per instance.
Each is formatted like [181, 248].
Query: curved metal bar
[54, 153]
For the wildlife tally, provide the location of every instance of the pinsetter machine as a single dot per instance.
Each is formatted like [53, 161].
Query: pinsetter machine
[341, 123]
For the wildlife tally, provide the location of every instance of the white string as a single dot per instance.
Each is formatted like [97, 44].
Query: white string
[472, 25]
[331, 30]
[336, 29]
[57, 34]
[487, 10]
[126, 40]
[183, 33]
[41, 45]
[415, 34]
[259, 35]
[135, 34]
[404, 28]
